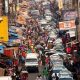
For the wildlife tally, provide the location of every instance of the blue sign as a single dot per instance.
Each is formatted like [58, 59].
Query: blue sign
[1, 49]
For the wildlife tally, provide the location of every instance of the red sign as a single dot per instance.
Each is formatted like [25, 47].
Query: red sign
[8, 52]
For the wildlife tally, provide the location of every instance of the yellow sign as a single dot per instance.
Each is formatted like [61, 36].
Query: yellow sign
[60, 4]
[3, 29]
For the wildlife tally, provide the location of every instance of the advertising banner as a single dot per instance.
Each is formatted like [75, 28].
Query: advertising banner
[69, 15]
[9, 52]
[67, 25]
[60, 4]
[3, 29]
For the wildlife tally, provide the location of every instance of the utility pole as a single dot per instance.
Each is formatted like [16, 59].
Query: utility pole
[1, 7]
[77, 22]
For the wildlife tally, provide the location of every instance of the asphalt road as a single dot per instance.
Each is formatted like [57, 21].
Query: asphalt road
[33, 75]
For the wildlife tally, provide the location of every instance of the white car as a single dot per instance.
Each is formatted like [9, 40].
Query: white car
[57, 69]
[32, 61]
[58, 41]
[59, 47]
[47, 12]
[45, 3]
[52, 35]
[48, 18]
[60, 52]
[43, 21]
[66, 78]
[65, 72]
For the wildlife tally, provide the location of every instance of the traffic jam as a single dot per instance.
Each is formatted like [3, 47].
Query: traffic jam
[45, 48]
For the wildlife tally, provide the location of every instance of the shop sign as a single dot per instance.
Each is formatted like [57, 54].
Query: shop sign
[69, 15]
[67, 25]
[4, 29]
[72, 33]
[1, 49]
[9, 52]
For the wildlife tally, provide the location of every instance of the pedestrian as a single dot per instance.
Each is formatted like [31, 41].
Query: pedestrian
[39, 77]
[45, 73]
[43, 59]
[47, 61]
[18, 77]
[50, 75]
[57, 78]
[53, 76]
[68, 49]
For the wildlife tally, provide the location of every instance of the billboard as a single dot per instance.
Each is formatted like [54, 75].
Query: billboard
[67, 25]
[3, 29]
[69, 14]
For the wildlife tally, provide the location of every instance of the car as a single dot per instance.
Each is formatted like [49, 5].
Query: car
[65, 72]
[46, 5]
[56, 63]
[54, 57]
[47, 12]
[57, 69]
[66, 78]
[58, 41]
[52, 35]
[60, 52]
[48, 18]
[43, 21]
[35, 12]
[59, 46]
[32, 61]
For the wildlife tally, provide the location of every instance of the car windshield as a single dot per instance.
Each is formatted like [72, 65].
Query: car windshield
[31, 60]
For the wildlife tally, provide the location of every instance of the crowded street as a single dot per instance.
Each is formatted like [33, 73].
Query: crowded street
[39, 40]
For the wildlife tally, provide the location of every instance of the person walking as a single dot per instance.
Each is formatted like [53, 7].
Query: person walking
[45, 73]
[39, 77]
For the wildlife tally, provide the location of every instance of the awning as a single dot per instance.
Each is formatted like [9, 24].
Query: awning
[13, 34]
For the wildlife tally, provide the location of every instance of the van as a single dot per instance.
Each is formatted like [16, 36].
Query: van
[31, 61]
